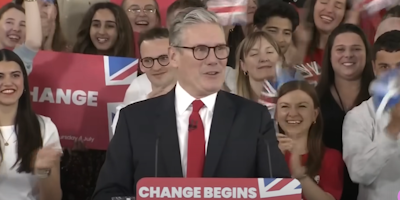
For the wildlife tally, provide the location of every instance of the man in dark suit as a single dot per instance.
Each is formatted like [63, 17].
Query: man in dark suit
[196, 130]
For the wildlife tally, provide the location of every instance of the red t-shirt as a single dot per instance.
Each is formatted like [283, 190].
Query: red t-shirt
[330, 176]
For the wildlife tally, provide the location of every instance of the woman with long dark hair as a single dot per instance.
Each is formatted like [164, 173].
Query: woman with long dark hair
[30, 148]
[346, 74]
[105, 30]
[318, 168]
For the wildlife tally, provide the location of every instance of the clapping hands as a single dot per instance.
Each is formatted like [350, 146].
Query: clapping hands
[46, 159]
[287, 145]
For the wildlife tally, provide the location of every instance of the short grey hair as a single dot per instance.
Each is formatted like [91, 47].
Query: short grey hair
[187, 17]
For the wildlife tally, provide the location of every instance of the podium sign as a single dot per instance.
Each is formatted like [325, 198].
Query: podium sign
[218, 188]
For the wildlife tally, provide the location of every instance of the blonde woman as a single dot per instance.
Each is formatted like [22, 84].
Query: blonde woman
[256, 57]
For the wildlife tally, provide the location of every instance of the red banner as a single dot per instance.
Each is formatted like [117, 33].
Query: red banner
[219, 188]
[80, 93]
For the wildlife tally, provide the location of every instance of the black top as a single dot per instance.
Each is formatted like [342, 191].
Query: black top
[234, 38]
[333, 117]
[241, 135]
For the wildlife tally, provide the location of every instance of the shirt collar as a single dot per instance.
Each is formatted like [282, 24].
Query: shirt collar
[184, 100]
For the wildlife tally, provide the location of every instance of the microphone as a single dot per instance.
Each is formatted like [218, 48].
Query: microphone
[156, 156]
[192, 125]
[269, 158]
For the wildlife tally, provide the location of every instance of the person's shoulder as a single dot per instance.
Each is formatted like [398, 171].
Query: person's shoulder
[363, 111]
[146, 105]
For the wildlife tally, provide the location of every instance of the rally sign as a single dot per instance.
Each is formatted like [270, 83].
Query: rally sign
[80, 93]
[218, 188]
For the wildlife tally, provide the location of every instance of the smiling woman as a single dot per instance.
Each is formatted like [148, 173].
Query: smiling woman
[30, 148]
[143, 14]
[105, 30]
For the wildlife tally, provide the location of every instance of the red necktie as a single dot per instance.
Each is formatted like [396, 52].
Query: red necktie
[196, 142]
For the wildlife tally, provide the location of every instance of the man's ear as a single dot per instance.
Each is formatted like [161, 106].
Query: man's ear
[173, 56]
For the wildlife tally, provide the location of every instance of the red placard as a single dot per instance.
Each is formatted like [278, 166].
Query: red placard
[80, 93]
[218, 188]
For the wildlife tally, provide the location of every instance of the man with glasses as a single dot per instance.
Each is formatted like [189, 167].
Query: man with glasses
[154, 62]
[198, 130]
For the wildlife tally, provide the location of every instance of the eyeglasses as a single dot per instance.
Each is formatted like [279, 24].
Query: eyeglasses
[148, 62]
[201, 52]
[137, 11]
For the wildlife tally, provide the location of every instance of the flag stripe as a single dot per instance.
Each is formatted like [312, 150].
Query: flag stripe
[228, 9]
[126, 73]
[280, 184]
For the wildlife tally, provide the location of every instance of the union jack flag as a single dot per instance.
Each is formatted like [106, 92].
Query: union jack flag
[230, 12]
[278, 187]
[310, 71]
[268, 96]
[120, 70]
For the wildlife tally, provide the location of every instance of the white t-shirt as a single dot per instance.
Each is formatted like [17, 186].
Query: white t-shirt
[22, 186]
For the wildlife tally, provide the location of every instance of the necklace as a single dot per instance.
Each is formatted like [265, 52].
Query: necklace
[340, 99]
[6, 143]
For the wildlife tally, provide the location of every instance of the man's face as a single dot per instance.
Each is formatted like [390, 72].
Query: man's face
[281, 30]
[386, 61]
[201, 77]
[159, 72]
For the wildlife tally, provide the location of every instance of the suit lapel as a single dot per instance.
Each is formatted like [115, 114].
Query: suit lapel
[168, 137]
[222, 120]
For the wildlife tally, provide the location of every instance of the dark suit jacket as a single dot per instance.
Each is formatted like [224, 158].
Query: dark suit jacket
[237, 147]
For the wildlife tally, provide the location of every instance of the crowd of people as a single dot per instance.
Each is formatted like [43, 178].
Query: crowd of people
[322, 131]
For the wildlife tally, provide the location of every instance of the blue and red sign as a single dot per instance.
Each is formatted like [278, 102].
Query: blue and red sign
[218, 188]
[80, 93]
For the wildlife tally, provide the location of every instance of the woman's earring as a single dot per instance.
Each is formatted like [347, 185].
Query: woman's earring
[245, 73]
[315, 122]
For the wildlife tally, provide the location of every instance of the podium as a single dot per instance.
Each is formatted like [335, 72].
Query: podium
[218, 188]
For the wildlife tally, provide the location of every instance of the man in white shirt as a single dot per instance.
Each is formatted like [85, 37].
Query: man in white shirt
[371, 148]
[154, 62]
[196, 130]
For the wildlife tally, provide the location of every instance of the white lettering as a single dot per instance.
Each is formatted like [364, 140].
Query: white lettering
[47, 95]
[197, 192]
[226, 192]
[77, 97]
[208, 192]
[142, 191]
[176, 192]
[154, 192]
[217, 192]
[252, 193]
[165, 193]
[187, 192]
[242, 193]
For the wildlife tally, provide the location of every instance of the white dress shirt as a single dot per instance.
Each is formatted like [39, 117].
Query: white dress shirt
[141, 87]
[183, 110]
[371, 157]
[22, 186]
